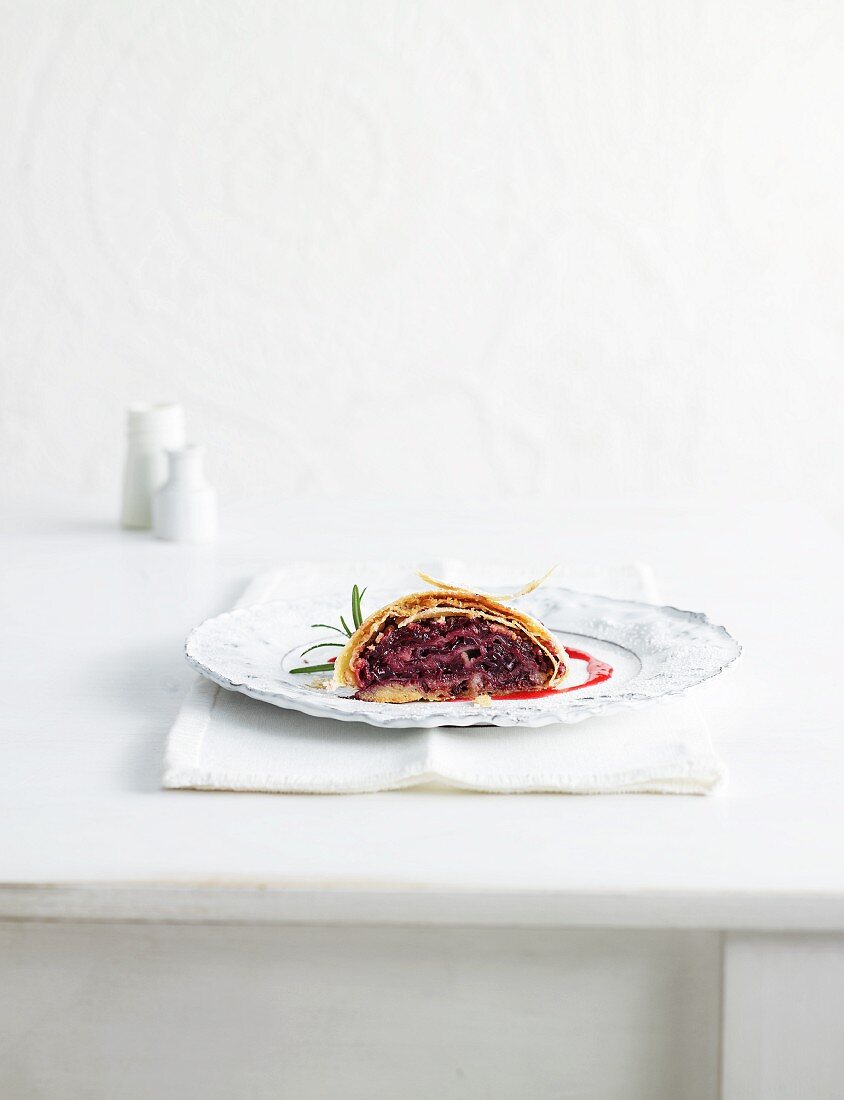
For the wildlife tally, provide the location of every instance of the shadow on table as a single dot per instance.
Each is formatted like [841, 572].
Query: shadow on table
[142, 688]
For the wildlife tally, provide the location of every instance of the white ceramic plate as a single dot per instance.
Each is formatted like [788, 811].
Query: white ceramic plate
[655, 653]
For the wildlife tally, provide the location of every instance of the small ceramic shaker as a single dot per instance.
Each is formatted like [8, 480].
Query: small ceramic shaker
[152, 431]
[185, 508]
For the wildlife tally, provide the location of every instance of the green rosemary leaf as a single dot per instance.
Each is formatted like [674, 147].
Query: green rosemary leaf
[328, 626]
[322, 645]
[343, 630]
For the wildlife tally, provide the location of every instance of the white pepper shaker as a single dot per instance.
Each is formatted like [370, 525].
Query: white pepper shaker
[152, 431]
[184, 509]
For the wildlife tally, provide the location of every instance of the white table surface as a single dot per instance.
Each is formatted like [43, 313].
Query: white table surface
[93, 621]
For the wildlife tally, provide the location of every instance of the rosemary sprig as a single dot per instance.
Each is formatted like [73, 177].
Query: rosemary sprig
[322, 645]
[357, 614]
[343, 630]
[328, 626]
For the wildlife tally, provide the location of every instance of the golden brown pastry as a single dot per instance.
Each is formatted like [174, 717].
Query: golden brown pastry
[448, 644]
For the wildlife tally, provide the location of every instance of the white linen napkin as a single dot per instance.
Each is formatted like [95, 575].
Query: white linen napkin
[222, 740]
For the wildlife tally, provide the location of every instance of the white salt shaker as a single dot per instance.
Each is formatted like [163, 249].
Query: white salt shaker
[152, 431]
[184, 509]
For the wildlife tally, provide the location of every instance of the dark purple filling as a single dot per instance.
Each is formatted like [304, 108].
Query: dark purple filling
[454, 657]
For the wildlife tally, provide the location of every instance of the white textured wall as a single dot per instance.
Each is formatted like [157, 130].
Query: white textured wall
[605, 236]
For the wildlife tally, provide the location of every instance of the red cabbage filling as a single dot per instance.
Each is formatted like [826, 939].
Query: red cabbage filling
[454, 657]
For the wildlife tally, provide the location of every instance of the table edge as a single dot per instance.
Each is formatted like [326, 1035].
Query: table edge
[298, 904]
